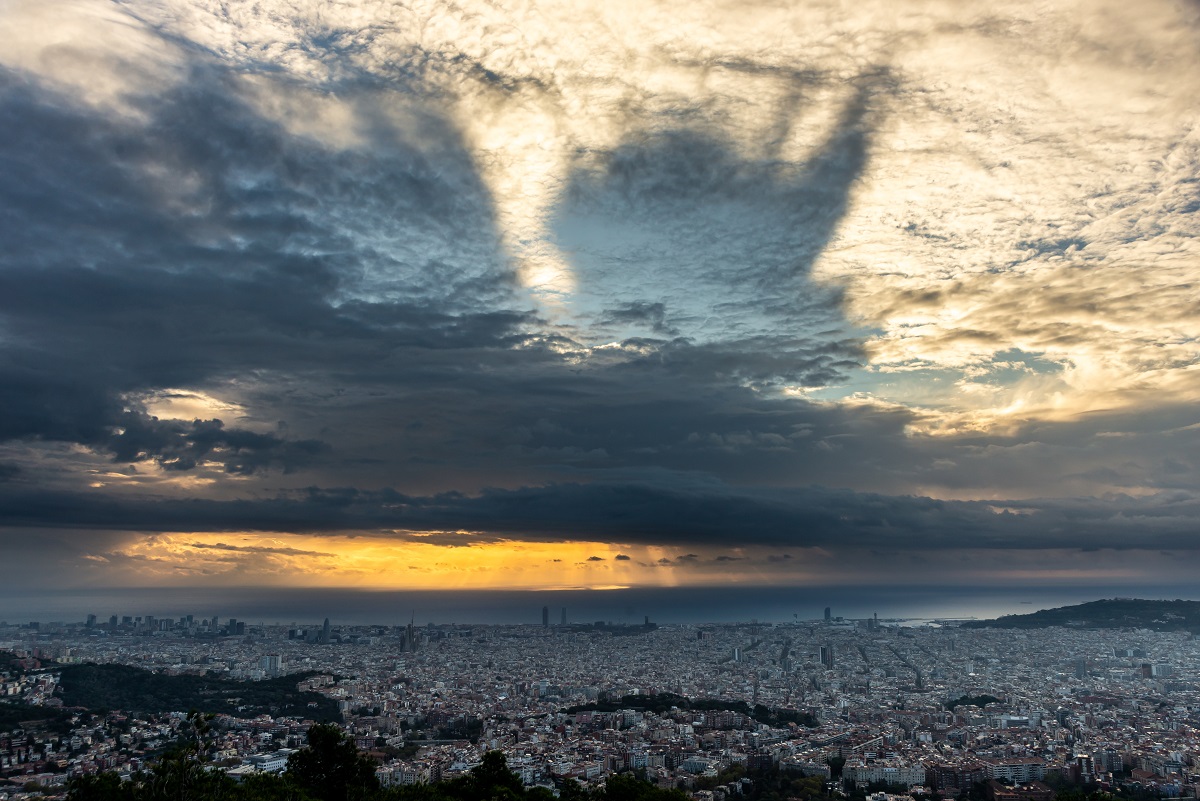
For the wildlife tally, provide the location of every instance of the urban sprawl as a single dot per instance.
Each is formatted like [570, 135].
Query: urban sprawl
[924, 709]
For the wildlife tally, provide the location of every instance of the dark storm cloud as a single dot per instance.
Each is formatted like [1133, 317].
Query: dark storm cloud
[177, 445]
[703, 514]
[716, 234]
[1105, 451]
[671, 175]
[209, 243]
[282, 551]
[759, 360]
[114, 284]
[358, 294]
[532, 424]
[650, 315]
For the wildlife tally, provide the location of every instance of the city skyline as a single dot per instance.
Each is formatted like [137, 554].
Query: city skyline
[945, 708]
[689, 606]
[896, 299]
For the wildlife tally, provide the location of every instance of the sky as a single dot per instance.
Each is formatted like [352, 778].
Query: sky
[565, 295]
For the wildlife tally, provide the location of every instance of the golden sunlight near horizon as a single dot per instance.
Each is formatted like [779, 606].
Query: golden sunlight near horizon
[447, 561]
[451, 561]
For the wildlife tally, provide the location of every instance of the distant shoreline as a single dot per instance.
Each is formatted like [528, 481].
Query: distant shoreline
[664, 606]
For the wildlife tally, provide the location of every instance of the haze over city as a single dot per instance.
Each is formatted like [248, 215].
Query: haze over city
[887, 305]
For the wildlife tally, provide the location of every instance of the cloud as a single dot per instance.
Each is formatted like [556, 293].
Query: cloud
[655, 516]
[639, 313]
[806, 276]
[181, 446]
[284, 551]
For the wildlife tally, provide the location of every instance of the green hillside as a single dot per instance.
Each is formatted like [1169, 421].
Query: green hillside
[1117, 613]
[22, 716]
[131, 689]
[663, 702]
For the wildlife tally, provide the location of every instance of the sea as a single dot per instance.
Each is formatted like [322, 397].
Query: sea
[895, 605]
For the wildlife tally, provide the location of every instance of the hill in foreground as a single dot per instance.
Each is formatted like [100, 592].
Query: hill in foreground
[1116, 613]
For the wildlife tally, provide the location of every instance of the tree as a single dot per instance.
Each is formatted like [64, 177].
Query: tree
[490, 780]
[268, 787]
[178, 776]
[100, 787]
[182, 774]
[572, 790]
[493, 772]
[627, 787]
[330, 768]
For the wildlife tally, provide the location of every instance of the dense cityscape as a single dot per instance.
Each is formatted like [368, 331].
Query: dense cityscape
[901, 707]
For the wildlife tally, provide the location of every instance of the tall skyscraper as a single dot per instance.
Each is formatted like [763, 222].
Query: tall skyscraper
[545, 617]
[564, 616]
[269, 664]
[410, 634]
[828, 614]
[325, 631]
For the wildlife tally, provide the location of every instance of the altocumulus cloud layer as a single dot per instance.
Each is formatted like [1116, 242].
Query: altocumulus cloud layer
[868, 279]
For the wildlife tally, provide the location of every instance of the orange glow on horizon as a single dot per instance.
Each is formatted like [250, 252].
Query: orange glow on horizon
[466, 561]
[413, 560]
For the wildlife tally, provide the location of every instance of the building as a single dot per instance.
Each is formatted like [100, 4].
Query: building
[890, 771]
[1032, 791]
[275, 762]
[961, 775]
[1017, 771]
